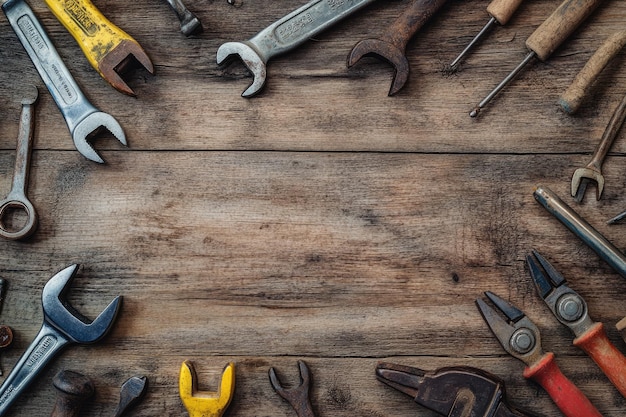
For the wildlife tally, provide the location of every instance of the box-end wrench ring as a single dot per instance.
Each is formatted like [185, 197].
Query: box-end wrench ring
[286, 34]
[16, 199]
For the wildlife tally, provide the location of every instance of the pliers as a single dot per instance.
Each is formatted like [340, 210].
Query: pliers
[453, 391]
[520, 337]
[571, 310]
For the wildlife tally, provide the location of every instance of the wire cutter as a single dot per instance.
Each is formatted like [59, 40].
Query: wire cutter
[454, 391]
[571, 310]
[520, 337]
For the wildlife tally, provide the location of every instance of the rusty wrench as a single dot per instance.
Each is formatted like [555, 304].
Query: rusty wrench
[593, 170]
[81, 116]
[17, 199]
[62, 325]
[391, 45]
[298, 397]
[286, 34]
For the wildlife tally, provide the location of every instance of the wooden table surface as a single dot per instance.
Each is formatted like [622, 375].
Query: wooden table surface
[321, 220]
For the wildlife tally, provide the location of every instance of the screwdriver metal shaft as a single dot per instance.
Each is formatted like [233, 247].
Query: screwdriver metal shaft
[547, 38]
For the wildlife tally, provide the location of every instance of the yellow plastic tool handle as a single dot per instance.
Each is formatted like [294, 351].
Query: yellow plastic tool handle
[95, 34]
[503, 10]
[559, 26]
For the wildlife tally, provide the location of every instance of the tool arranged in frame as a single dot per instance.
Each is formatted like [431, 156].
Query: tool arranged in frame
[6, 333]
[500, 12]
[450, 391]
[299, 396]
[132, 391]
[593, 170]
[391, 45]
[205, 403]
[520, 337]
[581, 228]
[17, 199]
[82, 118]
[189, 23]
[571, 310]
[109, 49]
[572, 98]
[62, 326]
[73, 389]
[284, 35]
[547, 38]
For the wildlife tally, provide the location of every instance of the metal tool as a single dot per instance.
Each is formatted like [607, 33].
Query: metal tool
[571, 310]
[500, 12]
[391, 45]
[6, 333]
[621, 327]
[520, 337]
[593, 170]
[205, 403]
[82, 118]
[572, 98]
[451, 391]
[298, 397]
[547, 38]
[131, 393]
[73, 389]
[62, 326]
[286, 34]
[189, 23]
[17, 199]
[581, 228]
[109, 49]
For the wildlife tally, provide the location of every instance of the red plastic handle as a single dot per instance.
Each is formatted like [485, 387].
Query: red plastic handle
[597, 345]
[570, 400]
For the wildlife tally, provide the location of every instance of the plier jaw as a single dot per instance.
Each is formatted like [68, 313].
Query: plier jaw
[518, 335]
[452, 391]
[565, 303]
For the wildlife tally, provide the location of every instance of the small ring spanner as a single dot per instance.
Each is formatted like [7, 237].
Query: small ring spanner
[286, 34]
[81, 116]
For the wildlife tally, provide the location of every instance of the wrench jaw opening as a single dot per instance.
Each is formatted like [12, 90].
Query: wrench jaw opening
[580, 179]
[250, 58]
[121, 59]
[205, 403]
[65, 318]
[387, 52]
[89, 126]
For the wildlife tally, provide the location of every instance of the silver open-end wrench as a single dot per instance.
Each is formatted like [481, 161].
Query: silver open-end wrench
[81, 116]
[16, 198]
[62, 325]
[286, 34]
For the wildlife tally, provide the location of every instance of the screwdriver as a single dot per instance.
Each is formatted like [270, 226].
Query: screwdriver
[500, 11]
[547, 38]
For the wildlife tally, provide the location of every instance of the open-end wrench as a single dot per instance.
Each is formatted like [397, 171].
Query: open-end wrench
[593, 170]
[82, 118]
[62, 325]
[286, 34]
[298, 397]
[391, 45]
[16, 199]
[189, 23]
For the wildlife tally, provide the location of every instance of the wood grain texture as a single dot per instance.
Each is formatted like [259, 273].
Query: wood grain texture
[321, 220]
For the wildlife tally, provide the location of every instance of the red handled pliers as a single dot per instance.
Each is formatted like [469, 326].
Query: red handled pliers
[520, 337]
[571, 310]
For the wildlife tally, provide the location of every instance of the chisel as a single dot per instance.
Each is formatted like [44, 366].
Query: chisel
[547, 38]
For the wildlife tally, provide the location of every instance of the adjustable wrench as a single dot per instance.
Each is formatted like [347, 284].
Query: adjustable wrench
[286, 34]
[81, 116]
[62, 325]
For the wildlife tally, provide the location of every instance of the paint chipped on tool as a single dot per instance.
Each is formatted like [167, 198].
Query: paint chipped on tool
[205, 403]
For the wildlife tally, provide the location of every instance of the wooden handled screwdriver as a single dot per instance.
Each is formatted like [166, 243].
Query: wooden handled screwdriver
[73, 389]
[501, 12]
[547, 38]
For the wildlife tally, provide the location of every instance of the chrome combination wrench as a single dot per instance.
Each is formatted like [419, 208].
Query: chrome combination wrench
[286, 34]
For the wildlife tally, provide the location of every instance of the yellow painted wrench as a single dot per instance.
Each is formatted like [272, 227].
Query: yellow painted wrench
[107, 47]
[205, 403]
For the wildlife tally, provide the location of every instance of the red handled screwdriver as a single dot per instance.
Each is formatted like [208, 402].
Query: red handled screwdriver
[547, 38]
[500, 11]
